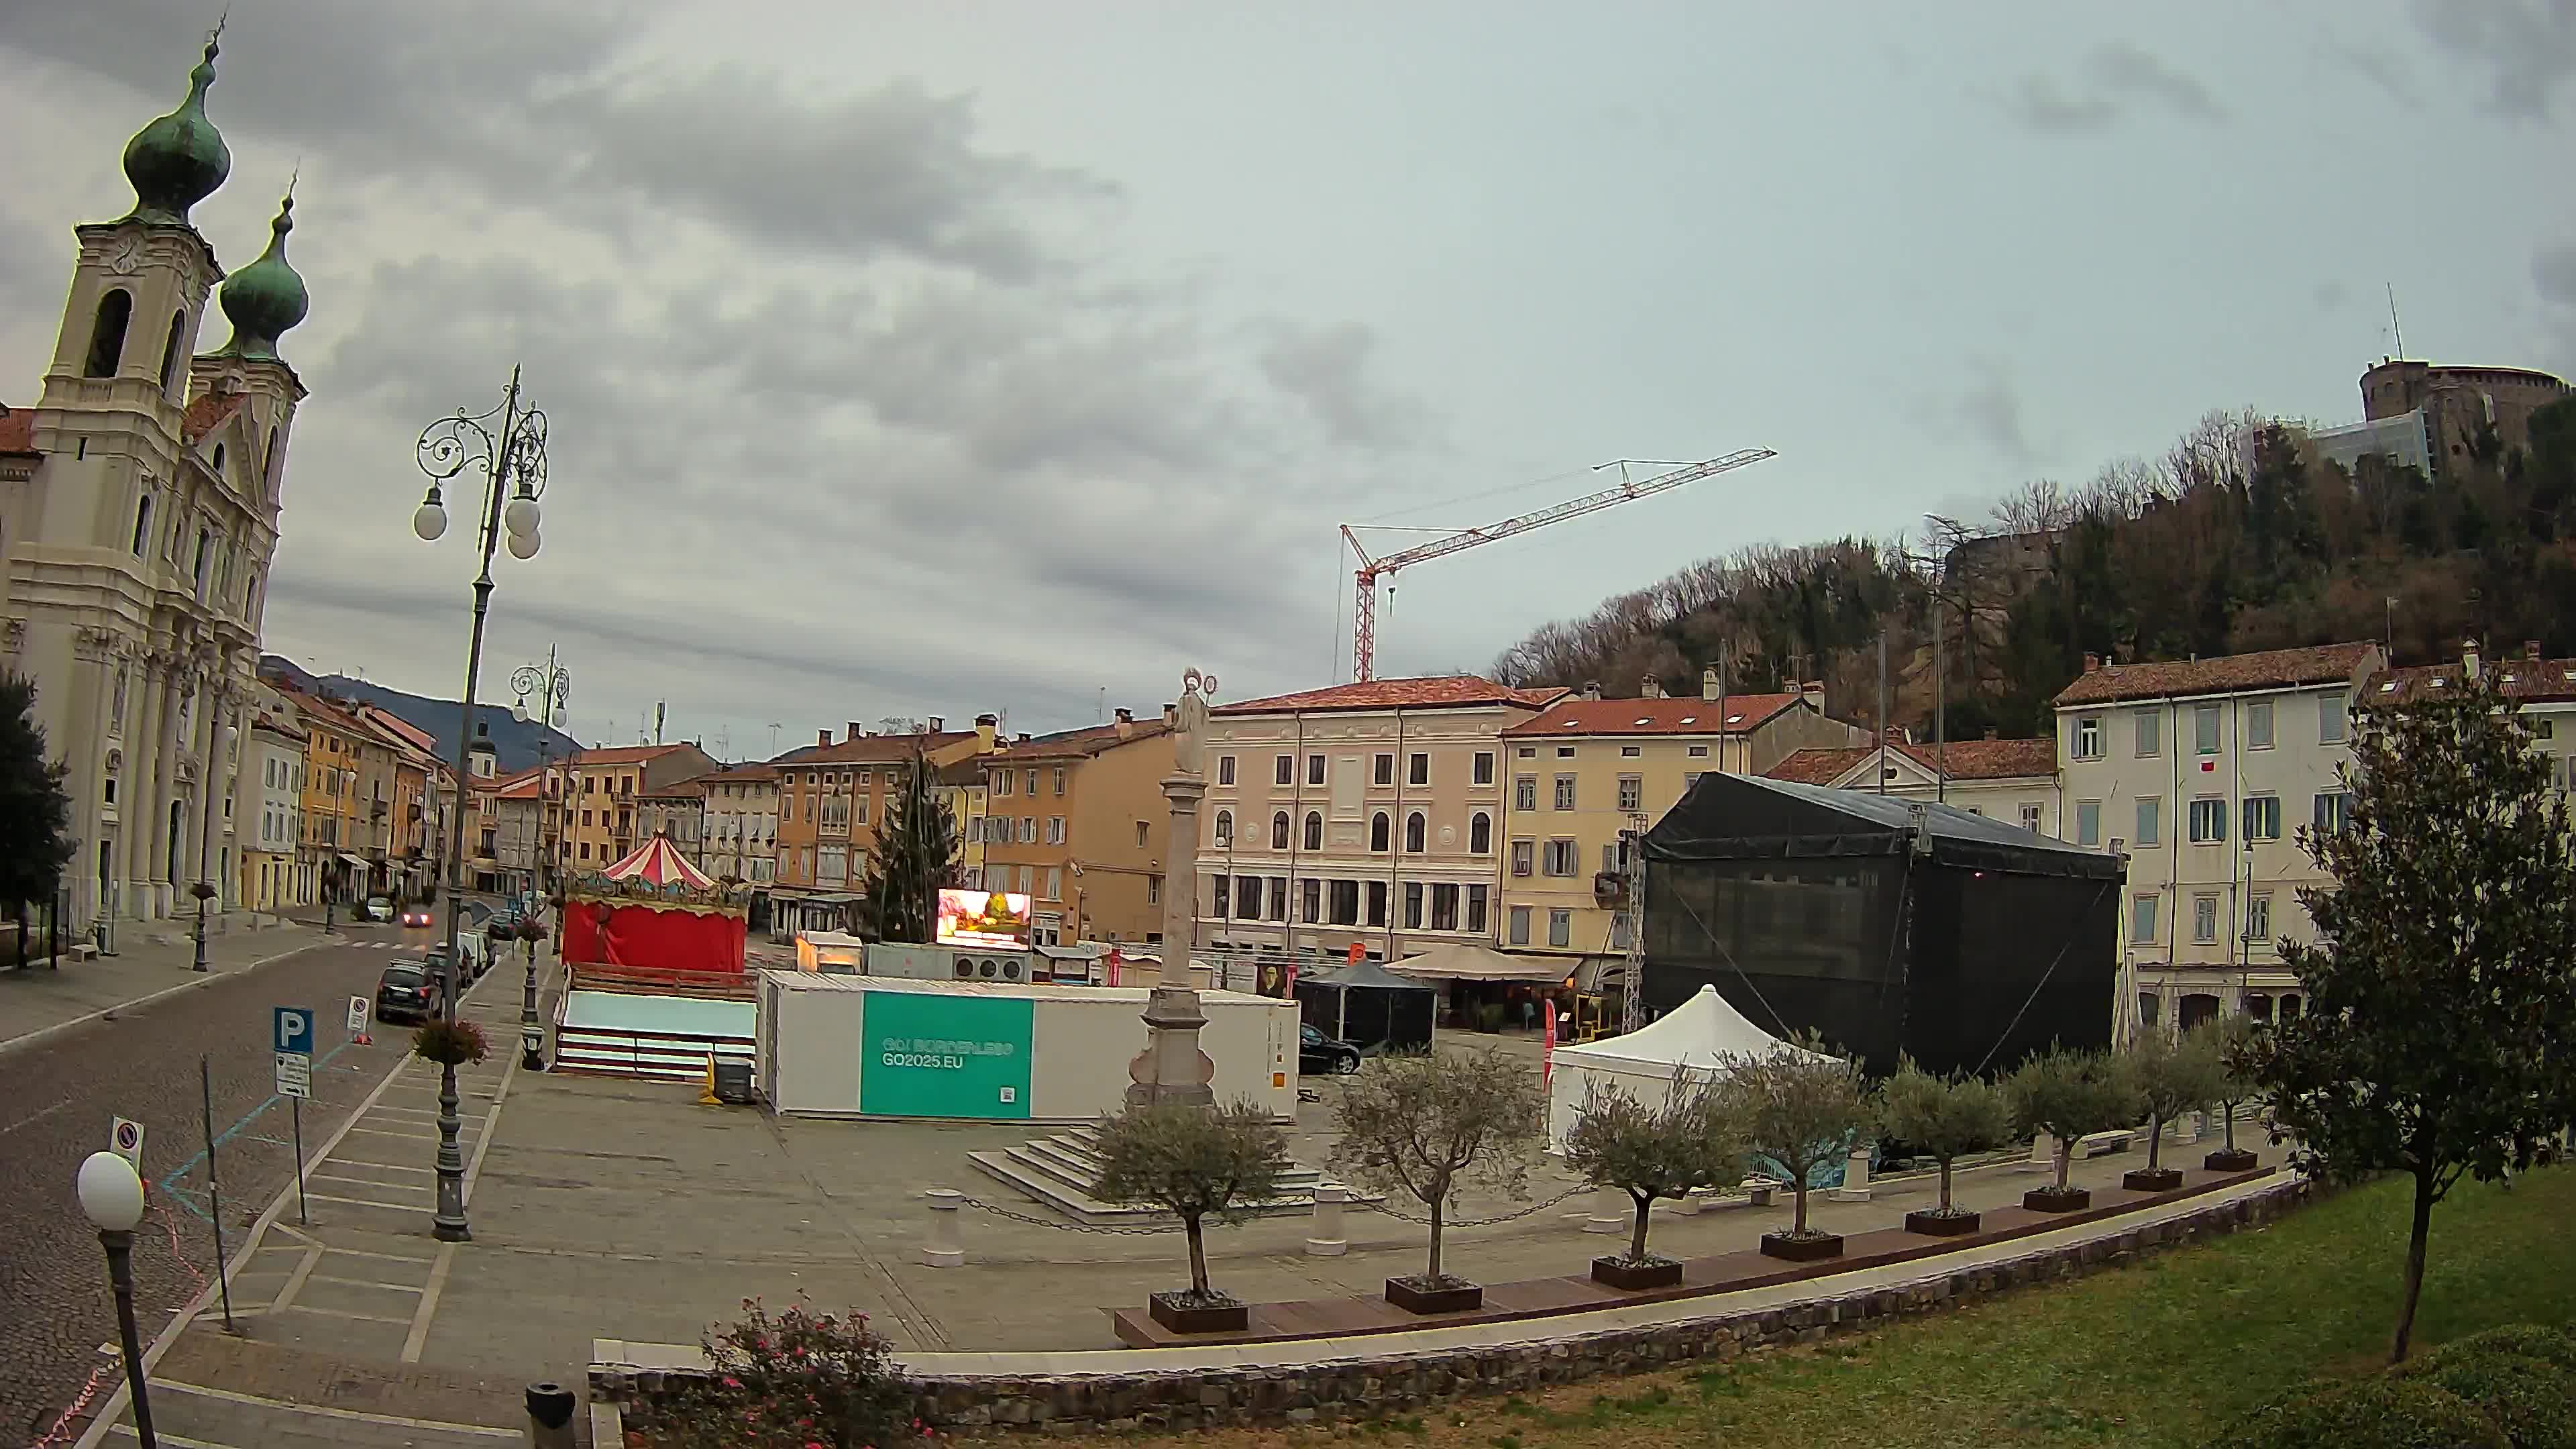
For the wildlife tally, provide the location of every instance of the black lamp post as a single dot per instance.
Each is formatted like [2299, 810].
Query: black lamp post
[111, 1196]
[513, 463]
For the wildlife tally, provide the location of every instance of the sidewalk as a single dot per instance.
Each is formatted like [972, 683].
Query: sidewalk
[40, 1001]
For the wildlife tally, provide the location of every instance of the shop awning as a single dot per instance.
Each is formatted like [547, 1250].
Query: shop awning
[358, 861]
[1464, 962]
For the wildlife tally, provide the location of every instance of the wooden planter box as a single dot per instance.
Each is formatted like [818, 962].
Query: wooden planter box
[2052, 1200]
[1620, 1273]
[1198, 1317]
[1941, 1225]
[1455, 1297]
[1814, 1248]
[2230, 1159]
[2151, 1179]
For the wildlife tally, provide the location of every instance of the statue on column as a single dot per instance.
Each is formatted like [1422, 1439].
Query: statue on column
[1189, 728]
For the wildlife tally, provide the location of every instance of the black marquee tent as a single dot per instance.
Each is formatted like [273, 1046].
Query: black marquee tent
[1889, 925]
[1369, 1006]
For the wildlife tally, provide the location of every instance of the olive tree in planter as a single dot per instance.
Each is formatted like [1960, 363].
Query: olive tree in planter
[1195, 1164]
[2236, 1041]
[2069, 1095]
[1650, 1152]
[1801, 1107]
[2172, 1076]
[1426, 1126]
[1945, 1118]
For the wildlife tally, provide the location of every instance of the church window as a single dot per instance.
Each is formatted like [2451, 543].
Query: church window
[142, 525]
[219, 460]
[170, 351]
[107, 335]
[205, 553]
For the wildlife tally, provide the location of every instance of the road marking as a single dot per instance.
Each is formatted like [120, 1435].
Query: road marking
[398, 1207]
[428, 1308]
[295, 1280]
[387, 1166]
[367, 1283]
[344, 1313]
[387, 1257]
[413, 1136]
[177, 1441]
[356, 1181]
[61, 1028]
[38, 1117]
[328, 1412]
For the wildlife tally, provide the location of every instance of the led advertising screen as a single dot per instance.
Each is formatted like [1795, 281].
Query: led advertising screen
[983, 918]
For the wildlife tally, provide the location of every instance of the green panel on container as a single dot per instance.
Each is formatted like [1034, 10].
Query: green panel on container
[932, 1054]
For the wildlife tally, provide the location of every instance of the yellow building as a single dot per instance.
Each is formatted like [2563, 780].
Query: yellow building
[1077, 821]
[599, 825]
[333, 827]
[1584, 774]
[961, 787]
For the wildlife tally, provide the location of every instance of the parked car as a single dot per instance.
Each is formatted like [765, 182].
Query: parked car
[416, 915]
[408, 991]
[472, 952]
[380, 908]
[1318, 1053]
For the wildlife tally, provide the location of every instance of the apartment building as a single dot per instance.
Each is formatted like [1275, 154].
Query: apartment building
[1078, 822]
[2012, 780]
[741, 838]
[2202, 771]
[832, 801]
[272, 817]
[1586, 773]
[2543, 692]
[676, 810]
[1368, 814]
[600, 808]
[335, 818]
[961, 787]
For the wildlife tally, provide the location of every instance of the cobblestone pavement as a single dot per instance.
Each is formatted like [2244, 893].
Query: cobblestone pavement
[56, 1097]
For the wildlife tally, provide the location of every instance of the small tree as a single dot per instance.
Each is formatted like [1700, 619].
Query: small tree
[2440, 1035]
[2173, 1076]
[2068, 1095]
[914, 858]
[35, 813]
[1945, 1117]
[2237, 1044]
[1194, 1164]
[1800, 1106]
[1655, 1152]
[1428, 1125]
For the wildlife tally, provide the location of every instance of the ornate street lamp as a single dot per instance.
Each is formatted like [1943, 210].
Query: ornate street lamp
[111, 1196]
[513, 463]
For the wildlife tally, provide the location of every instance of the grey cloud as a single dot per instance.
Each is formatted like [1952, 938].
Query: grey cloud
[2119, 79]
[2375, 65]
[2529, 44]
[2553, 271]
[1991, 411]
[1328, 369]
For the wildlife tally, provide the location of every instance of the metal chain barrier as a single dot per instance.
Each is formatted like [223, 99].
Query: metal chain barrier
[1037, 1222]
[1447, 1223]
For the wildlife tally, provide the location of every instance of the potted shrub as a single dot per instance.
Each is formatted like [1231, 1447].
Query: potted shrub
[1664, 1151]
[2172, 1076]
[2237, 1042]
[2069, 1094]
[1945, 1118]
[449, 1043]
[1800, 1107]
[796, 1377]
[1425, 1126]
[1194, 1163]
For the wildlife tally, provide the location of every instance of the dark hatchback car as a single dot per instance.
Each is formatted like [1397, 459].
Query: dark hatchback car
[408, 991]
[1318, 1053]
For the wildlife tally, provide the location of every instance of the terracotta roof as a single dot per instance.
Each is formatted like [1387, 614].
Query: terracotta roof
[402, 729]
[208, 413]
[1572, 716]
[875, 749]
[17, 430]
[276, 726]
[2227, 674]
[1079, 744]
[2521, 678]
[1441, 691]
[1965, 760]
[622, 755]
[694, 785]
[521, 786]
[743, 773]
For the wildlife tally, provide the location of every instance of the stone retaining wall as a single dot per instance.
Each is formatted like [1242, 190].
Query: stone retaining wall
[1375, 1386]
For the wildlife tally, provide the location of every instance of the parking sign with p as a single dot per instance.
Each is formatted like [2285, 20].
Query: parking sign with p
[294, 1030]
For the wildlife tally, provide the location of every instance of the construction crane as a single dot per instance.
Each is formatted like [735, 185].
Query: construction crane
[1364, 607]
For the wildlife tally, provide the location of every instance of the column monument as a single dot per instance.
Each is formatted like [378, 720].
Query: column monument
[1172, 1068]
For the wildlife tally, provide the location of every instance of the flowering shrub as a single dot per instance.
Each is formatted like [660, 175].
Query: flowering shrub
[796, 1379]
[450, 1043]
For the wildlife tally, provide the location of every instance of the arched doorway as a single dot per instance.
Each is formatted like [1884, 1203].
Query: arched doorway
[2194, 1010]
[178, 832]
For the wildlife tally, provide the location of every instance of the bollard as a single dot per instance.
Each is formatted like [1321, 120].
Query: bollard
[550, 1409]
[1329, 1239]
[2043, 1152]
[946, 1248]
[1855, 1186]
[2184, 1128]
[1611, 1212]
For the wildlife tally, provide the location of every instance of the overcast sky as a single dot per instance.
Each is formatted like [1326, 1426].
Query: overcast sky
[912, 359]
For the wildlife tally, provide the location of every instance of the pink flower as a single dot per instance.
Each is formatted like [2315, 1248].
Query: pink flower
[731, 1382]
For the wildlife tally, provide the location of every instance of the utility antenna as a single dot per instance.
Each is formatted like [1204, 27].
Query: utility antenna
[774, 728]
[659, 706]
[2393, 324]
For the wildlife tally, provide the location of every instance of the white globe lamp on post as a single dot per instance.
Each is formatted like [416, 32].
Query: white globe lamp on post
[111, 1197]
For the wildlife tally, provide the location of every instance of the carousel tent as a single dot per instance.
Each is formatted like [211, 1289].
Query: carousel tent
[1693, 1037]
[653, 912]
[1369, 1006]
[658, 864]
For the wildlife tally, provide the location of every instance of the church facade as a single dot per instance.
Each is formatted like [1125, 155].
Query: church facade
[139, 500]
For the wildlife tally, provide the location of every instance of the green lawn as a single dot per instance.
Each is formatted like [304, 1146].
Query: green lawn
[2164, 1352]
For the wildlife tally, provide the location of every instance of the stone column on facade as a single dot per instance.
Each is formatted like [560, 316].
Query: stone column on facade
[157, 896]
[1172, 1068]
[89, 817]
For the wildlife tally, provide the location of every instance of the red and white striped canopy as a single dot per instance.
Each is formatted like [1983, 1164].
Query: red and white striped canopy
[658, 865]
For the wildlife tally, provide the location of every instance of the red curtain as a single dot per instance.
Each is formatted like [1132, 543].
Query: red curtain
[641, 938]
[583, 943]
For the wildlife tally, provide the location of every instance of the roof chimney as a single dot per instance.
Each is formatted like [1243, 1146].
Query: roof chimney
[2092, 663]
[1592, 689]
[1023, 739]
[823, 737]
[2530, 648]
[938, 724]
[1813, 692]
[1708, 686]
[1653, 688]
[1172, 716]
[1990, 732]
[2469, 658]
[1126, 723]
[855, 731]
[987, 728]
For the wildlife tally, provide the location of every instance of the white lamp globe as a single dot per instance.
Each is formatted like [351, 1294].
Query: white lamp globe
[110, 1194]
[429, 521]
[523, 545]
[521, 516]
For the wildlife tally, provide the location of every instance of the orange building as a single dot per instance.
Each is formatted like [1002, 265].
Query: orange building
[602, 785]
[832, 801]
[1078, 822]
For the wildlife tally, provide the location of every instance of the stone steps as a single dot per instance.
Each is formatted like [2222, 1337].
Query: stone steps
[1063, 1172]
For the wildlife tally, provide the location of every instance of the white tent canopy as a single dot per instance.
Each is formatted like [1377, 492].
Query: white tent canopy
[1467, 961]
[1694, 1037]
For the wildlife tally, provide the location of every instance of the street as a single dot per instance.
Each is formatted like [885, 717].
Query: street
[56, 1099]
